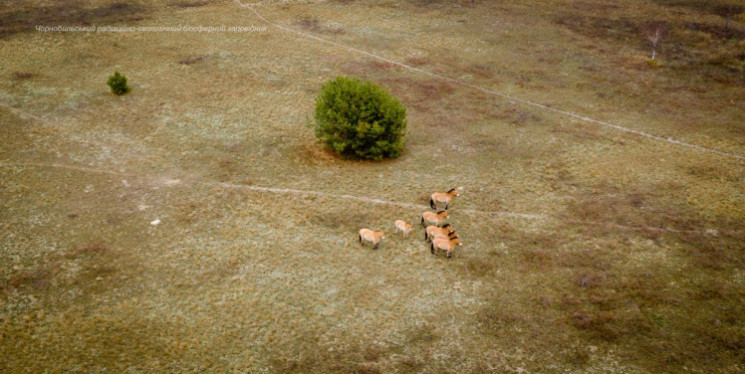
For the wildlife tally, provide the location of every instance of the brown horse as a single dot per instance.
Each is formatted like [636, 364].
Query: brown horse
[450, 235]
[371, 236]
[440, 197]
[435, 218]
[403, 226]
[431, 231]
[445, 245]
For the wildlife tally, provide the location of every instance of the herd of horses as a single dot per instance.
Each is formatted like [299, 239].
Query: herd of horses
[441, 238]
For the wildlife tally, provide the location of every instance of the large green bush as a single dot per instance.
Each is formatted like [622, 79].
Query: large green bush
[359, 120]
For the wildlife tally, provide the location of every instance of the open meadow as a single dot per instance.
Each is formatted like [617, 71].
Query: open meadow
[196, 225]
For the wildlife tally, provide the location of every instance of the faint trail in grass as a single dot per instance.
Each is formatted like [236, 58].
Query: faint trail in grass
[155, 181]
[369, 200]
[162, 181]
[49, 123]
[72, 167]
[492, 92]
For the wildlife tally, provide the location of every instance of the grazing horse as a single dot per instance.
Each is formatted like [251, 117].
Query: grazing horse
[450, 235]
[435, 218]
[445, 245]
[402, 226]
[371, 236]
[431, 231]
[439, 197]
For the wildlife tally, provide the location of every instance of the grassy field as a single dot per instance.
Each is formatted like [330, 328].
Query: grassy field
[586, 249]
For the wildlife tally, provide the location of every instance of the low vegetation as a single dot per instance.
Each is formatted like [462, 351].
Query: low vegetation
[118, 84]
[198, 226]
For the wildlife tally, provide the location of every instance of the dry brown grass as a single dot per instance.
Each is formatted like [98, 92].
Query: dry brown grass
[235, 279]
[190, 4]
[23, 75]
[36, 278]
[314, 25]
[419, 94]
[192, 60]
[67, 13]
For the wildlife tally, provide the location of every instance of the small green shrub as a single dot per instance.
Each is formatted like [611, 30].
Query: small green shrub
[359, 120]
[118, 84]
[653, 63]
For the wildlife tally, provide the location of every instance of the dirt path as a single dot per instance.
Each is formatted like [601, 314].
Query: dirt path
[492, 92]
[157, 182]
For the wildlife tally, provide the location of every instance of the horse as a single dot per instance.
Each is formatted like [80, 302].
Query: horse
[431, 231]
[435, 218]
[445, 245]
[371, 236]
[439, 235]
[402, 226]
[439, 197]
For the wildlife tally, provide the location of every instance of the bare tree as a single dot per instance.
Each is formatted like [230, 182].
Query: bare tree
[655, 32]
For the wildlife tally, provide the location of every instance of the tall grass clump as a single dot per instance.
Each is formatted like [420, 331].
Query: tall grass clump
[359, 120]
